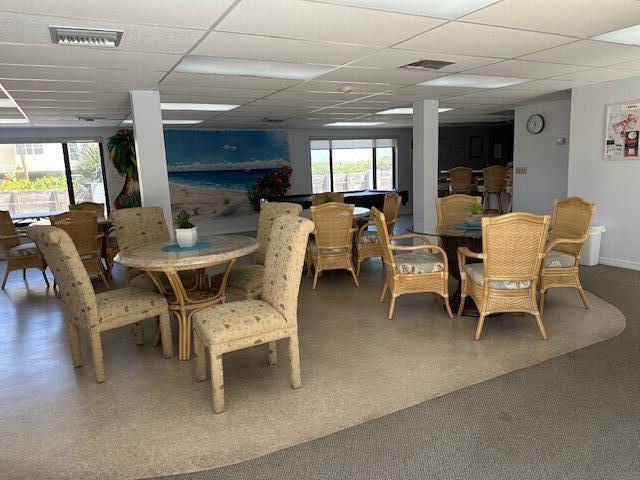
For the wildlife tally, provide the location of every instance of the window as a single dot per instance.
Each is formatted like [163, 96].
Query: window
[346, 165]
[48, 177]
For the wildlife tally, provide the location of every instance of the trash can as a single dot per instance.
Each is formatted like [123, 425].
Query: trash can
[591, 252]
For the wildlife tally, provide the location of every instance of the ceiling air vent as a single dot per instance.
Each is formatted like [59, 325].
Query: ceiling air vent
[427, 65]
[88, 37]
[272, 120]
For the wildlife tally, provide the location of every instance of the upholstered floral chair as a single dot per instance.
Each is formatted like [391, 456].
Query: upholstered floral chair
[19, 252]
[96, 313]
[246, 280]
[569, 227]
[507, 279]
[411, 268]
[238, 325]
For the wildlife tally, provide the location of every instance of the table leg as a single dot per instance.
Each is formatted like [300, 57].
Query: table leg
[184, 318]
[450, 246]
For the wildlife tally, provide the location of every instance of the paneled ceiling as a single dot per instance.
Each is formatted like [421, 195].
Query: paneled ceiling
[548, 42]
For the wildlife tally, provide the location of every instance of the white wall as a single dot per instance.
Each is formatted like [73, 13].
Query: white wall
[546, 162]
[612, 185]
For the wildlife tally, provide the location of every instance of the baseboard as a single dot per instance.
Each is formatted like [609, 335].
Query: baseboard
[616, 262]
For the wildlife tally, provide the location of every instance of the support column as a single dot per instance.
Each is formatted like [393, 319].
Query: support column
[150, 153]
[425, 161]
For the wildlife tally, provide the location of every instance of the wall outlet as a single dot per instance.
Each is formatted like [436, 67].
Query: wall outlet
[521, 170]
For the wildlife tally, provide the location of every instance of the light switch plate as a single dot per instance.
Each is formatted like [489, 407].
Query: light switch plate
[521, 170]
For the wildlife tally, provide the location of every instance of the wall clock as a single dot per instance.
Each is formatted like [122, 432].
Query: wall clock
[535, 124]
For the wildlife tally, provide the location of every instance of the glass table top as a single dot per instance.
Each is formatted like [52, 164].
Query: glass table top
[443, 231]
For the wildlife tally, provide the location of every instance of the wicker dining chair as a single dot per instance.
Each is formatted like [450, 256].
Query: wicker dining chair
[96, 313]
[19, 256]
[460, 180]
[110, 248]
[569, 228]
[367, 241]
[454, 209]
[332, 245]
[246, 280]
[419, 268]
[326, 197]
[507, 279]
[494, 183]
[97, 208]
[82, 227]
[238, 325]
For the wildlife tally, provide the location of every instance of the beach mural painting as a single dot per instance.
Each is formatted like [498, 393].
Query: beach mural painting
[213, 173]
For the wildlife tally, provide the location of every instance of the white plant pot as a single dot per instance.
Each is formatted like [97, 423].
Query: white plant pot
[186, 237]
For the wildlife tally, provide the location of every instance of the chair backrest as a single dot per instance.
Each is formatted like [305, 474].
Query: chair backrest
[72, 278]
[283, 264]
[269, 211]
[82, 227]
[333, 225]
[513, 246]
[7, 229]
[454, 208]
[383, 235]
[391, 209]
[460, 179]
[571, 219]
[494, 176]
[97, 208]
[327, 197]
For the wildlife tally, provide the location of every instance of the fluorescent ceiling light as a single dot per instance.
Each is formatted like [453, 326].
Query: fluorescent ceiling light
[251, 68]
[169, 122]
[627, 36]
[6, 103]
[353, 124]
[446, 9]
[206, 107]
[474, 81]
[14, 104]
[407, 111]
[14, 120]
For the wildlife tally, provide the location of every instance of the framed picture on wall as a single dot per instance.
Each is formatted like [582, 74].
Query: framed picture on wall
[622, 129]
[475, 147]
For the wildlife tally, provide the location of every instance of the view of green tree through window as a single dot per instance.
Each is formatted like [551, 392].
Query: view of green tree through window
[346, 165]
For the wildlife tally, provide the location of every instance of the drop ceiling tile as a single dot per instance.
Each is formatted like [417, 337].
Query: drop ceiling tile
[394, 58]
[476, 100]
[214, 91]
[227, 81]
[333, 87]
[167, 97]
[330, 23]
[418, 92]
[315, 95]
[377, 75]
[550, 85]
[599, 75]
[235, 45]
[199, 14]
[481, 40]
[580, 18]
[525, 69]
[70, 56]
[70, 96]
[587, 52]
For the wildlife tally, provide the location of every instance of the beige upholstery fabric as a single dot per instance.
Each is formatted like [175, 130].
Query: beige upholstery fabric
[244, 281]
[314, 249]
[558, 259]
[24, 249]
[96, 313]
[418, 262]
[269, 211]
[476, 273]
[369, 236]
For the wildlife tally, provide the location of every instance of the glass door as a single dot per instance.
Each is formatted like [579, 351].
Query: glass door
[86, 172]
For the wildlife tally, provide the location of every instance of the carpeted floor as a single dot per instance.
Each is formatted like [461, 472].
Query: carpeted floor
[573, 417]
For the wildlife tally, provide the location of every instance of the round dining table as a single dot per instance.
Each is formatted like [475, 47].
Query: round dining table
[169, 259]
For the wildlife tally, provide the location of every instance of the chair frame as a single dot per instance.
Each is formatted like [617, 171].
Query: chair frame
[329, 236]
[398, 283]
[453, 204]
[318, 199]
[22, 262]
[494, 184]
[460, 179]
[493, 300]
[366, 250]
[569, 228]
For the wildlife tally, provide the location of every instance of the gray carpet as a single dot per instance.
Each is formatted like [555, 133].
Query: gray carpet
[573, 417]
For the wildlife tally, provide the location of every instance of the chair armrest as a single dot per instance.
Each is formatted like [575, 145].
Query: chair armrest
[558, 241]
[465, 252]
[427, 246]
[405, 236]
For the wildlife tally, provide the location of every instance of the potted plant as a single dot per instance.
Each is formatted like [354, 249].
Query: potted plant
[186, 232]
[475, 215]
[274, 184]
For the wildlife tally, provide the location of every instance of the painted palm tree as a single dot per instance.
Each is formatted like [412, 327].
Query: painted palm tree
[122, 152]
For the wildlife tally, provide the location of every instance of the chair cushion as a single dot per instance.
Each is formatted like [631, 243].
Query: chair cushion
[368, 236]
[325, 251]
[237, 320]
[476, 273]
[418, 262]
[558, 259]
[115, 305]
[245, 280]
[24, 250]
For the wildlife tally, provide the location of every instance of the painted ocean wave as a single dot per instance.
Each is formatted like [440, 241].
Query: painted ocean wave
[228, 179]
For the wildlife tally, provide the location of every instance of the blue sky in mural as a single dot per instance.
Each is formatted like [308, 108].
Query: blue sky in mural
[208, 150]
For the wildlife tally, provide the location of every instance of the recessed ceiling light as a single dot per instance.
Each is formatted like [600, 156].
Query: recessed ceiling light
[13, 120]
[251, 68]
[474, 81]
[407, 111]
[169, 122]
[627, 36]
[446, 9]
[353, 124]
[207, 107]
[87, 37]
